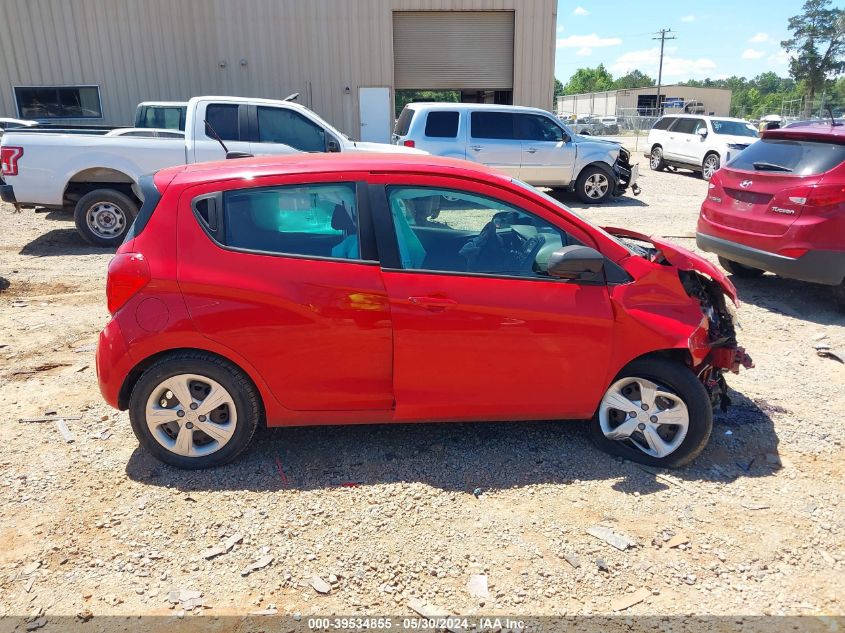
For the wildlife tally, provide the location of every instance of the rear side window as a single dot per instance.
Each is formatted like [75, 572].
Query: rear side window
[283, 125]
[663, 124]
[803, 158]
[310, 220]
[403, 124]
[498, 125]
[442, 124]
[223, 118]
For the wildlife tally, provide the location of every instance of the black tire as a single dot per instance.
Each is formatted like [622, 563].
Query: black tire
[243, 392]
[655, 161]
[679, 380]
[707, 170]
[740, 270]
[581, 185]
[839, 295]
[107, 227]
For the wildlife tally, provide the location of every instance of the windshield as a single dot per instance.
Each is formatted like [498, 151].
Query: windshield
[799, 157]
[560, 205]
[733, 128]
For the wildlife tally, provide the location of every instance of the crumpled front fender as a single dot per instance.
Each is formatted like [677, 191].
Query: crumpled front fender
[655, 312]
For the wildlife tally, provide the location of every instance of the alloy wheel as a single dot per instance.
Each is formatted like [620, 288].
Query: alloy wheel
[711, 164]
[596, 186]
[645, 415]
[656, 159]
[191, 415]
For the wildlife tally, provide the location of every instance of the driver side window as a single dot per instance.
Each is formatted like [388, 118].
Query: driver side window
[455, 231]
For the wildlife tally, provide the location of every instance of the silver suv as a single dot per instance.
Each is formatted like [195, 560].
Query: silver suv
[527, 143]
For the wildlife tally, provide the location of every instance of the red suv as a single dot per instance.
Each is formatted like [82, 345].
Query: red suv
[329, 289]
[779, 206]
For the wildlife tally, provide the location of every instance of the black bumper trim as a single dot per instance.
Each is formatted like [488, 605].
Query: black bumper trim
[820, 267]
[6, 193]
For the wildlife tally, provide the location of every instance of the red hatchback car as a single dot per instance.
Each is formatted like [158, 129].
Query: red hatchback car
[324, 289]
[779, 206]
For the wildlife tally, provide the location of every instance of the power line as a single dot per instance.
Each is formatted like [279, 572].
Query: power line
[662, 35]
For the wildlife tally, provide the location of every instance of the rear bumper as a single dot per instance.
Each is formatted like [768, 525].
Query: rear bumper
[6, 193]
[821, 267]
[113, 363]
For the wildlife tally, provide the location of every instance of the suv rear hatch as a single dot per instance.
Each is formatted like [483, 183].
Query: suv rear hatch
[770, 184]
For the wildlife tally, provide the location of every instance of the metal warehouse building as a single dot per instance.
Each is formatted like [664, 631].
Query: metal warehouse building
[93, 61]
[643, 101]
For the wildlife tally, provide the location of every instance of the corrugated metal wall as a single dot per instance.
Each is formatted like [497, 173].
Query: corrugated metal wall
[144, 50]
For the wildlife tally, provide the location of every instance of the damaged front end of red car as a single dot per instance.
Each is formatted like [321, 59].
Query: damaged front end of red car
[713, 348]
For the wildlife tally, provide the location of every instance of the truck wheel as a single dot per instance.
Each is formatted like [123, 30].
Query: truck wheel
[709, 166]
[103, 216]
[656, 161]
[740, 270]
[594, 185]
[656, 412]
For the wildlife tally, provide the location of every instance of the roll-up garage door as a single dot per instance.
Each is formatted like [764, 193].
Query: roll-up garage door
[456, 50]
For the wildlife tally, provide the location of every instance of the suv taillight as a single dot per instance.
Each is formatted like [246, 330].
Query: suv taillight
[9, 157]
[826, 196]
[409, 143]
[128, 273]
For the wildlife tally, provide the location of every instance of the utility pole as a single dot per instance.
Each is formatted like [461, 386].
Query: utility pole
[662, 36]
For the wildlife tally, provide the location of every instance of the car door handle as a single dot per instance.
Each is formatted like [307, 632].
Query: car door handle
[434, 304]
[476, 148]
[531, 150]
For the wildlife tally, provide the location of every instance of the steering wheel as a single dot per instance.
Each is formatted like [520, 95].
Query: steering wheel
[528, 248]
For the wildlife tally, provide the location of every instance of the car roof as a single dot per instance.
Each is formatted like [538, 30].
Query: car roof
[809, 132]
[688, 115]
[314, 163]
[440, 105]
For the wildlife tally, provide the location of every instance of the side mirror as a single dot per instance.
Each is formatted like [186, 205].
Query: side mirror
[576, 262]
[332, 146]
[702, 132]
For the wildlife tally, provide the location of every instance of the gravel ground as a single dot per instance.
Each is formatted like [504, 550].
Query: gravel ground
[385, 514]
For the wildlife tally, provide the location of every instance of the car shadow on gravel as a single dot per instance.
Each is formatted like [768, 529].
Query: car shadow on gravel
[572, 201]
[466, 457]
[797, 299]
[60, 242]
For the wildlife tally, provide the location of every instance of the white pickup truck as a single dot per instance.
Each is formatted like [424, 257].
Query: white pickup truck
[96, 176]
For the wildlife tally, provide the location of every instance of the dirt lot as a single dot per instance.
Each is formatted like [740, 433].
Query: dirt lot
[387, 514]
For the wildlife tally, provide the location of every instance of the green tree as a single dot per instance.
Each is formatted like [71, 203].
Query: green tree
[634, 79]
[589, 80]
[818, 42]
[558, 88]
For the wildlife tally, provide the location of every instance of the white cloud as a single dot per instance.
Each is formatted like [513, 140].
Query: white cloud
[780, 60]
[584, 52]
[580, 11]
[688, 18]
[760, 37]
[587, 41]
[674, 68]
[750, 53]
[560, 29]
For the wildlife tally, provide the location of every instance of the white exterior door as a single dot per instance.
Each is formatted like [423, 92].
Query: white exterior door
[374, 107]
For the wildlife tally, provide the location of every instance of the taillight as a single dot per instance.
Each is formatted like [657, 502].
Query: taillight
[128, 273]
[409, 143]
[9, 157]
[826, 196]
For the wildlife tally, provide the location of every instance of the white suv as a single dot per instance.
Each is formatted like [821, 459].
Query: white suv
[700, 143]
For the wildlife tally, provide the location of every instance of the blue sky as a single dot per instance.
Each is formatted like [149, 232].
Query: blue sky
[714, 39]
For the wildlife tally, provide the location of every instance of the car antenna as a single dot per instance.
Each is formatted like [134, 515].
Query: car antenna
[216, 137]
[830, 114]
